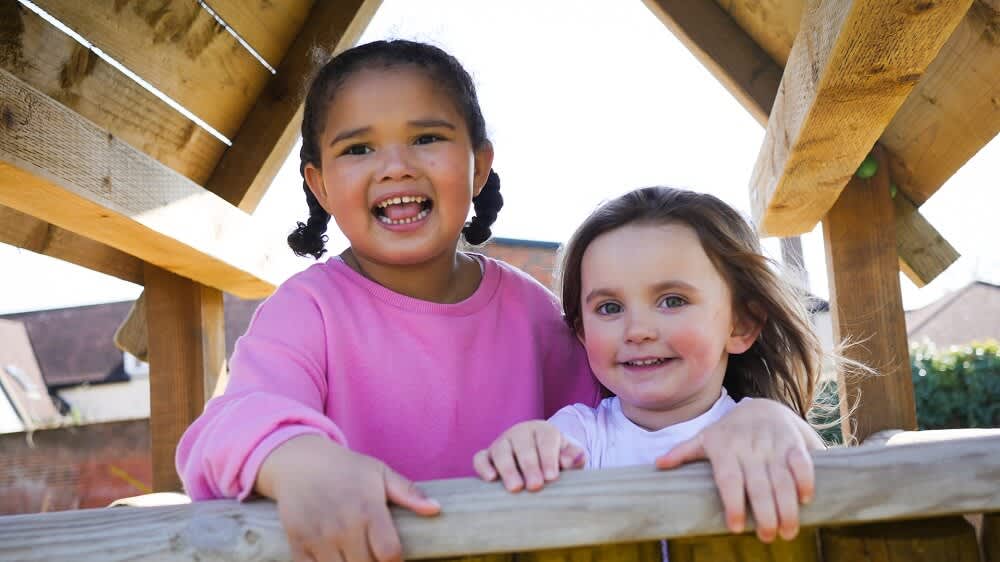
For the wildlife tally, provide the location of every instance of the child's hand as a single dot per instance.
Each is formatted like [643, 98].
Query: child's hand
[528, 455]
[332, 502]
[760, 450]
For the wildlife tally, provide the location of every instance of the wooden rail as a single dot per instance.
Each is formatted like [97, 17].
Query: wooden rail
[854, 485]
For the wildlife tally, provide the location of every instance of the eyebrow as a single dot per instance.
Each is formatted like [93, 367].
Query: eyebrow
[657, 288]
[419, 123]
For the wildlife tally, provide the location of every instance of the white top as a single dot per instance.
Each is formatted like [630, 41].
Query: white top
[611, 439]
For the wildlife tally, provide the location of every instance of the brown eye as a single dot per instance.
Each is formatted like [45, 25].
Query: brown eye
[357, 150]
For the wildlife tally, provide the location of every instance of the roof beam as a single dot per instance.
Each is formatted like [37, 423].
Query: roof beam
[62, 169]
[852, 65]
[272, 127]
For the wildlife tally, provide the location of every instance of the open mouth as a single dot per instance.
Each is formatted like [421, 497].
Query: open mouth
[403, 210]
[651, 362]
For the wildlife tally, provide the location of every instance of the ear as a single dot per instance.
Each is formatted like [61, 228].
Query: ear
[482, 164]
[314, 179]
[747, 325]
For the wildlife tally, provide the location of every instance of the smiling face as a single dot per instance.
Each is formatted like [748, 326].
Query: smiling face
[398, 169]
[657, 322]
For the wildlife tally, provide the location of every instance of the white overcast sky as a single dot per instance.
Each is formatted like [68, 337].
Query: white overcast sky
[584, 100]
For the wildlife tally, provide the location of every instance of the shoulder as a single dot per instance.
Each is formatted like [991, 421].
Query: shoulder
[576, 416]
[515, 283]
[310, 289]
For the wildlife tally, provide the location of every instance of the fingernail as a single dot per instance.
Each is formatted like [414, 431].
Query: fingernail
[551, 474]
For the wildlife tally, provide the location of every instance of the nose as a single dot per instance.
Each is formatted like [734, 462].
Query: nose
[395, 163]
[640, 327]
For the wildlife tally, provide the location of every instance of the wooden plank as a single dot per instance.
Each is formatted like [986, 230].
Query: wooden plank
[851, 67]
[267, 26]
[732, 56]
[177, 47]
[272, 126]
[746, 548]
[186, 329]
[773, 24]
[867, 307]
[955, 108]
[25, 231]
[651, 551]
[853, 485]
[991, 537]
[59, 167]
[930, 540]
[923, 252]
[55, 64]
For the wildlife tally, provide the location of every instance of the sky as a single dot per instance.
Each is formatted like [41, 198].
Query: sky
[584, 100]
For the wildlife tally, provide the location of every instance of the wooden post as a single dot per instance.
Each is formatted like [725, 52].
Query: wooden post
[746, 548]
[991, 537]
[926, 540]
[867, 306]
[187, 355]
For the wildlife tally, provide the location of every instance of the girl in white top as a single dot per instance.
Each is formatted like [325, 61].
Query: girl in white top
[683, 320]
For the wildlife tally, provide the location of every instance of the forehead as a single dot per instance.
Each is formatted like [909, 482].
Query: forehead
[647, 254]
[371, 96]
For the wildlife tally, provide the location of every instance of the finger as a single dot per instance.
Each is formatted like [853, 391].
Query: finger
[502, 457]
[729, 479]
[299, 552]
[324, 552]
[354, 547]
[547, 442]
[526, 455]
[804, 474]
[759, 492]
[405, 493]
[483, 467]
[786, 499]
[383, 539]
[691, 450]
[572, 455]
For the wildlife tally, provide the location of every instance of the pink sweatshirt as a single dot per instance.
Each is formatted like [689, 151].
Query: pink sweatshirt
[419, 385]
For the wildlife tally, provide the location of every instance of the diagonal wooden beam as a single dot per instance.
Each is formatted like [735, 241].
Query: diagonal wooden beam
[62, 169]
[753, 78]
[271, 128]
[852, 65]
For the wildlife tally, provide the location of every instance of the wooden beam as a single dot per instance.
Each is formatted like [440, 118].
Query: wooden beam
[853, 485]
[867, 308]
[851, 67]
[55, 64]
[955, 109]
[25, 231]
[59, 167]
[732, 56]
[268, 27]
[272, 126]
[177, 47]
[746, 548]
[945, 538]
[923, 253]
[187, 350]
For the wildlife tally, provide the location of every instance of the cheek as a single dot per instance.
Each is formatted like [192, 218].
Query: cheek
[600, 341]
[697, 345]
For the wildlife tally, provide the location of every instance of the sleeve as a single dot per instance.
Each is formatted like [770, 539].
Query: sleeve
[277, 391]
[576, 423]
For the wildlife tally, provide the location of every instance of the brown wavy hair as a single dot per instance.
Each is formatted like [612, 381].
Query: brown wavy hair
[784, 363]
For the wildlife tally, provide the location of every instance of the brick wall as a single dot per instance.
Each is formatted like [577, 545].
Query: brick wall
[74, 467]
[537, 259]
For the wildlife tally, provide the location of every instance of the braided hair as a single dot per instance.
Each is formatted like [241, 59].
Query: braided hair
[309, 238]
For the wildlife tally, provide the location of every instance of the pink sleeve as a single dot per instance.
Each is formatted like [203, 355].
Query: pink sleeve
[568, 378]
[277, 391]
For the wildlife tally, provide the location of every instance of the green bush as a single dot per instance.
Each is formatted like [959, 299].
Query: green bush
[953, 388]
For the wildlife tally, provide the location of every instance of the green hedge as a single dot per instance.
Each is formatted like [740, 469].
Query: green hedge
[957, 387]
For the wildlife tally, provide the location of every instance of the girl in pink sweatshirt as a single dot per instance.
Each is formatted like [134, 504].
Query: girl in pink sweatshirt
[399, 358]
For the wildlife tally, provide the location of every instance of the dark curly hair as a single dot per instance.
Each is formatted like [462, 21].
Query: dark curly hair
[309, 238]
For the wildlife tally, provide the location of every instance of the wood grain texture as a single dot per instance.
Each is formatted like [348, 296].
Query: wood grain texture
[954, 110]
[62, 169]
[272, 126]
[851, 67]
[854, 485]
[176, 46]
[867, 306]
[24, 231]
[732, 56]
[55, 64]
[186, 329]
[746, 548]
[773, 24]
[923, 252]
[991, 537]
[267, 26]
[634, 552]
[930, 540]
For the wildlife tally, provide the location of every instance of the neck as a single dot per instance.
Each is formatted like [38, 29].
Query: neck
[665, 415]
[448, 278]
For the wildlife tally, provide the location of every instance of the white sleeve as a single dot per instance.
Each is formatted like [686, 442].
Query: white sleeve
[577, 423]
